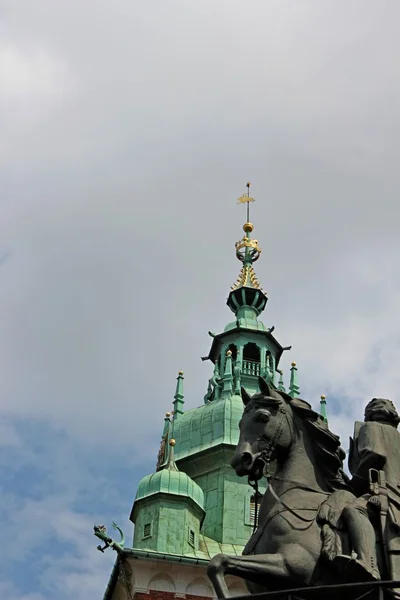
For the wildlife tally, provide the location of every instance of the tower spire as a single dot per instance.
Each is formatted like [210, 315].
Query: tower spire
[171, 465]
[246, 198]
[322, 411]
[281, 385]
[294, 389]
[247, 298]
[179, 397]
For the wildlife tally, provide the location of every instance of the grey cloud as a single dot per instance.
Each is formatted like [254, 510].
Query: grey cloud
[119, 197]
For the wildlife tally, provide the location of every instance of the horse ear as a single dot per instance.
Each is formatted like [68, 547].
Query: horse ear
[264, 387]
[245, 396]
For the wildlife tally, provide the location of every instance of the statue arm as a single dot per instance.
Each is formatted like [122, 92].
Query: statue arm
[360, 479]
[370, 460]
[371, 456]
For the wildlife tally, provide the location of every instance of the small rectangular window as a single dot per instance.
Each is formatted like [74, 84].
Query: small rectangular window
[191, 537]
[253, 516]
[147, 530]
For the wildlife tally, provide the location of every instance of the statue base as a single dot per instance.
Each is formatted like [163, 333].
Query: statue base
[373, 590]
[354, 571]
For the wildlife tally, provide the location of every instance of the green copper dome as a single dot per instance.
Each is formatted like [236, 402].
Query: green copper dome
[170, 481]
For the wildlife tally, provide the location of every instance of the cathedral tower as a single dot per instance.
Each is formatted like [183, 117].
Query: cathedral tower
[195, 506]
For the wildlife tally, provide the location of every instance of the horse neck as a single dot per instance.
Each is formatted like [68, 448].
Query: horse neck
[300, 463]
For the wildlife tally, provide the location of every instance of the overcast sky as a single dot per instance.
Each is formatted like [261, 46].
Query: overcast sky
[127, 132]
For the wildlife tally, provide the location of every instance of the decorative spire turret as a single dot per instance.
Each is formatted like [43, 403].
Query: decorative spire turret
[247, 299]
[171, 465]
[227, 378]
[162, 451]
[179, 397]
[322, 411]
[167, 421]
[294, 389]
[246, 348]
[281, 385]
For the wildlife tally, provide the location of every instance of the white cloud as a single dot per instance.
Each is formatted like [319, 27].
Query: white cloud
[50, 537]
[9, 435]
[60, 546]
[29, 76]
[9, 590]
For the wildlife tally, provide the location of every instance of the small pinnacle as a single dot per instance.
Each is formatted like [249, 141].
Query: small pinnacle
[172, 442]
[229, 352]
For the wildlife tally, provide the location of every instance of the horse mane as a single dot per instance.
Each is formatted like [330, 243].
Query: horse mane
[329, 453]
[327, 447]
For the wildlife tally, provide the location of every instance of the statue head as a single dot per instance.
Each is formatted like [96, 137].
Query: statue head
[383, 411]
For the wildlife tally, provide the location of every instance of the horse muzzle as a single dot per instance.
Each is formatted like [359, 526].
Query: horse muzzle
[248, 464]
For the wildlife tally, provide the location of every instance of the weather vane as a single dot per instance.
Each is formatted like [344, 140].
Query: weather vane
[246, 198]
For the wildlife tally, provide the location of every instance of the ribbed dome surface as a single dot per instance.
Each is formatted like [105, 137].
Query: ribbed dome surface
[170, 481]
[207, 426]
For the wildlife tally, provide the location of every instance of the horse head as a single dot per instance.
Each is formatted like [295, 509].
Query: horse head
[264, 430]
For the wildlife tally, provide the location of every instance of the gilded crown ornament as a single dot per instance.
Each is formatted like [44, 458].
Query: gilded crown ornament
[246, 242]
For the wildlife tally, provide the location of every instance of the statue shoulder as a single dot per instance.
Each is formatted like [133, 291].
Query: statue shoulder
[358, 426]
[354, 458]
[369, 432]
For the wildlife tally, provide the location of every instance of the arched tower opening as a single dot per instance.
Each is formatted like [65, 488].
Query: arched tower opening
[233, 349]
[251, 359]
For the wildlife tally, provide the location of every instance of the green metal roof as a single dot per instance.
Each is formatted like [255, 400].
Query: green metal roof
[207, 549]
[246, 324]
[169, 481]
[209, 425]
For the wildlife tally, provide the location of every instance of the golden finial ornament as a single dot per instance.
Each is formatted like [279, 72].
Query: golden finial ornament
[251, 248]
[245, 198]
[293, 364]
[323, 397]
[245, 242]
[172, 442]
[168, 414]
[229, 352]
[180, 373]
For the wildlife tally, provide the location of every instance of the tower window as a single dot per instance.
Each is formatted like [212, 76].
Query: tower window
[191, 537]
[147, 530]
[251, 352]
[251, 360]
[253, 508]
[233, 349]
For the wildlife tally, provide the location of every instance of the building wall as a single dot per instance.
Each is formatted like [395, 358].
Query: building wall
[227, 498]
[160, 580]
[170, 522]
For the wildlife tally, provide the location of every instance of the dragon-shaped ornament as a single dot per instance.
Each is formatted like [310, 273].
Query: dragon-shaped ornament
[100, 531]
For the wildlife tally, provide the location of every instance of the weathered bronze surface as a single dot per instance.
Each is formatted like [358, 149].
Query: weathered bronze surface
[316, 526]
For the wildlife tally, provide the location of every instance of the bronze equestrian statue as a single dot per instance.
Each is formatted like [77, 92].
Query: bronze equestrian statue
[315, 525]
[374, 462]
